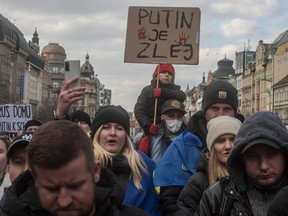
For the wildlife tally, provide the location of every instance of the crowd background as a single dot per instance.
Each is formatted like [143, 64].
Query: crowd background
[75, 165]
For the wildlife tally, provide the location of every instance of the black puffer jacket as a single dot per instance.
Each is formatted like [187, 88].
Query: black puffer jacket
[279, 205]
[264, 125]
[22, 198]
[189, 198]
[198, 125]
[215, 200]
[144, 107]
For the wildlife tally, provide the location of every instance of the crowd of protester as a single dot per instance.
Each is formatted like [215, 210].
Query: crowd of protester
[217, 163]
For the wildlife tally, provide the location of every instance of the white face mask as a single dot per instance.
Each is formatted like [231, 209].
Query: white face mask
[173, 125]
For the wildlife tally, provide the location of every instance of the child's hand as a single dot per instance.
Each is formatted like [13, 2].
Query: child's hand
[153, 129]
[157, 92]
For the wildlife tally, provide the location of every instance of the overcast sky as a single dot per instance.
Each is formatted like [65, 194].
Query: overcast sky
[99, 28]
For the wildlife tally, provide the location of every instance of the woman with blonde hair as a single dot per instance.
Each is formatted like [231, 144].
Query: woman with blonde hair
[114, 149]
[222, 131]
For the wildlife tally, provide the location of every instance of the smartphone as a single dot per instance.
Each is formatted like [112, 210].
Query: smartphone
[72, 69]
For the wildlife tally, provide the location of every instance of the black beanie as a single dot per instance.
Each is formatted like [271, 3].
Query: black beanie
[220, 91]
[33, 122]
[113, 114]
[80, 115]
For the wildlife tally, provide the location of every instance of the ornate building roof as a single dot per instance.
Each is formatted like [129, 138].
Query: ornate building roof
[225, 69]
[281, 39]
[87, 69]
[53, 48]
[282, 82]
[203, 84]
[9, 32]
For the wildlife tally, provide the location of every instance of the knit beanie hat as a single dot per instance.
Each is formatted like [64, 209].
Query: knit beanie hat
[164, 68]
[113, 114]
[33, 122]
[219, 126]
[220, 91]
[80, 115]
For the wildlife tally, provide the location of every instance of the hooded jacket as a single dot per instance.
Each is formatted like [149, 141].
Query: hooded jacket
[22, 198]
[144, 107]
[264, 125]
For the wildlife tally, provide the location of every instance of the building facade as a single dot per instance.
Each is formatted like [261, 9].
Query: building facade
[90, 103]
[21, 67]
[279, 65]
[54, 56]
[26, 77]
[261, 78]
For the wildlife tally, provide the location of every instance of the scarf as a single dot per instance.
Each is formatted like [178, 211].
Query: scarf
[120, 167]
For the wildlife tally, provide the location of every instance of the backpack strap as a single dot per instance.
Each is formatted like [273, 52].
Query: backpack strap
[226, 202]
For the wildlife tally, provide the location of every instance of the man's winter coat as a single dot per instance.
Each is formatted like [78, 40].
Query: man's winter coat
[279, 205]
[22, 198]
[198, 125]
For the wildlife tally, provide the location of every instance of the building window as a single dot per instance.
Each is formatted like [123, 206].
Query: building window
[62, 70]
[55, 70]
[55, 84]
[54, 95]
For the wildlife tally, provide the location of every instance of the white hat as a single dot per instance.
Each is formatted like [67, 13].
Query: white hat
[219, 126]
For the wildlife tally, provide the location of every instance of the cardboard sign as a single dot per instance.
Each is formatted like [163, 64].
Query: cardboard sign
[163, 35]
[13, 117]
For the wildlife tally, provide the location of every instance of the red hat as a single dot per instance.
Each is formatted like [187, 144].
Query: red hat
[164, 68]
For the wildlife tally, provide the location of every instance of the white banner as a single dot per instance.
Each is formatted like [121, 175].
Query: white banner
[13, 117]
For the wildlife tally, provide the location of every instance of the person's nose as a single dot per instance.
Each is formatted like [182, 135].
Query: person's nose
[228, 144]
[26, 166]
[112, 131]
[263, 163]
[220, 112]
[64, 198]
